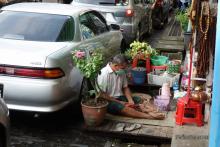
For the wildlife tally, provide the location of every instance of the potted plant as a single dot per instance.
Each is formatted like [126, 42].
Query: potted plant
[93, 107]
[183, 18]
[140, 51]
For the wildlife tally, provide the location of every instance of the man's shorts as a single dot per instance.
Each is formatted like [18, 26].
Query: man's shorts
[116, 108]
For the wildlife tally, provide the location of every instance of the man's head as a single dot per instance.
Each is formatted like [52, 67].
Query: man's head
[119, 63]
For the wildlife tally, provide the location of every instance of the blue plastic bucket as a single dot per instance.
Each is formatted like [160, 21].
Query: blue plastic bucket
[138, 76]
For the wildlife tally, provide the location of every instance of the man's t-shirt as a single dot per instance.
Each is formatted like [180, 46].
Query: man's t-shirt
[111, 83]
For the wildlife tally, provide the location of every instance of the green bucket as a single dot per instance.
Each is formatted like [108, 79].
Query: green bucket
[158, 60]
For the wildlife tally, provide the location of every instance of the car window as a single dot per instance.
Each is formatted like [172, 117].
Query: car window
[99, 23]
[86, 26]
[31, 26]
[67, 32]
[105, 2]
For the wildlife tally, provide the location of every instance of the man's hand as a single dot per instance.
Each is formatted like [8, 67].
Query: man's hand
[130, 101]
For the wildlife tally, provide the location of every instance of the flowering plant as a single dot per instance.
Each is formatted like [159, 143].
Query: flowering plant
[89, 65]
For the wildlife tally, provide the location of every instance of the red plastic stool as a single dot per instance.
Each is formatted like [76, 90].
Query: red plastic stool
[191, 108]
[136, 59]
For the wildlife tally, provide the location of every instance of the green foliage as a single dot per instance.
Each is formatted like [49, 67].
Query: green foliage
[182, 17]
[89, 65]
[140, 48]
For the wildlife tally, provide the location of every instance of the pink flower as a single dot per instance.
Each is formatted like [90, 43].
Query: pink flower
[80, 54]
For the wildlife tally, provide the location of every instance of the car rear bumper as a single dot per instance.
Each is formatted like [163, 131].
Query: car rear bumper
[39, 95]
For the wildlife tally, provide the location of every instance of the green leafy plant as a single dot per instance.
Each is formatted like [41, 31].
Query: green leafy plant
[140, 48]
[89, 65]
[182, 17]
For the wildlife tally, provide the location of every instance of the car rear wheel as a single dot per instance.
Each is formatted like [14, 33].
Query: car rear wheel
[166, 19]
[138, 34]
[150, 27]
[75, 107]
[84, 89]
[2, 137]
[123, 46]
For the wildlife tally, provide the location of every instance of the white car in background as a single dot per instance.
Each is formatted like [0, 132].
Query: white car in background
[36, 44]
[132, 16]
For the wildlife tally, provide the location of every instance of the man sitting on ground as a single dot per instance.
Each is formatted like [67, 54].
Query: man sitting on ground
[113, 82]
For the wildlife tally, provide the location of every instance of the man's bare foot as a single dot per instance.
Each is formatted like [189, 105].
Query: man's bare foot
[159, 116]
[147, 105]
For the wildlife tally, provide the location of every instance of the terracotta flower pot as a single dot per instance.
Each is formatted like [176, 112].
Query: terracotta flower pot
[94, 115]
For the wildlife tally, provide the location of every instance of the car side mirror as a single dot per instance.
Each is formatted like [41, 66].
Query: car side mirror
[115, 26]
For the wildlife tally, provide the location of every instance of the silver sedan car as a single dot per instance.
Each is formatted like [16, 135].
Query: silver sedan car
[131, 15]
[4, 124]
[36, 44]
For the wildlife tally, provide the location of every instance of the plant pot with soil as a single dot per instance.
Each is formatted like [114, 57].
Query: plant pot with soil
[93, 106]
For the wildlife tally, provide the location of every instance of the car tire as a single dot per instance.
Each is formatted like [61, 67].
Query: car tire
[138, 35]
[123, 46]
[75, 107]
[150, 27]
[166, 19]
[83, 90]
[2, 137]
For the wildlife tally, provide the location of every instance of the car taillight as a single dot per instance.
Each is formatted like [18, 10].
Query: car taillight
[32, 72]
[129, 13]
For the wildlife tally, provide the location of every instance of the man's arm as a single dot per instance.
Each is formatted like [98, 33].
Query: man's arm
[109, 98]
[128, 95]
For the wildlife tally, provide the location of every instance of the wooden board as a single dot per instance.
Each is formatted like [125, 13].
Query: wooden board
[151, 131]
[170, 42]
[169, 48]
[177, 38]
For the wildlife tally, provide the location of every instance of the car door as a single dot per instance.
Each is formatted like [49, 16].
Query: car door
[95, 34]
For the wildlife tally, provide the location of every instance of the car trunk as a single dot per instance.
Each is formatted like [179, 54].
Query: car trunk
[26, 53]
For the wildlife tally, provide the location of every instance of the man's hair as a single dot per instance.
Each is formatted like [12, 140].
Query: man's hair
[120, 59]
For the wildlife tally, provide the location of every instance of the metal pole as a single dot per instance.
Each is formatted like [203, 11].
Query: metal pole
[214, 133]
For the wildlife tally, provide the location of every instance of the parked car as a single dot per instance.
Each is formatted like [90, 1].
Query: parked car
[4, 123]
[36, 45]
[129, 14]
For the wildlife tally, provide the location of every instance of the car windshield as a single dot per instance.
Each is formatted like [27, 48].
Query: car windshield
[31, 26]
[104, 2]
